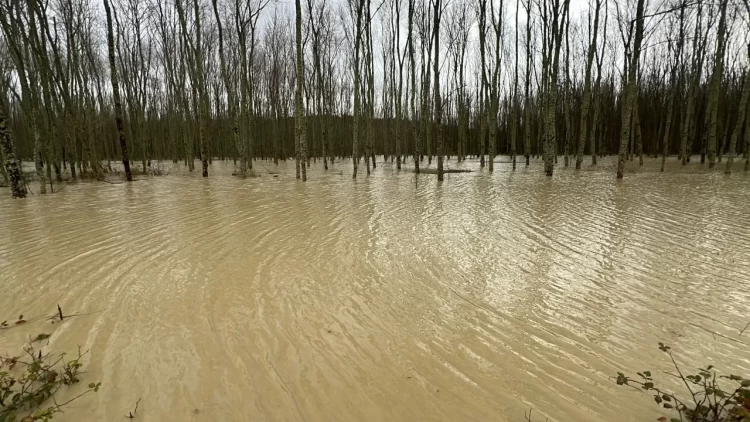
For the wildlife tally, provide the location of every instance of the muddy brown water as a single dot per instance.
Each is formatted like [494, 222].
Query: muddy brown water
[385, 298]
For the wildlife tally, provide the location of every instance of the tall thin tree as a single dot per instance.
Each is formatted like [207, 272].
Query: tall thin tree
[116, 93]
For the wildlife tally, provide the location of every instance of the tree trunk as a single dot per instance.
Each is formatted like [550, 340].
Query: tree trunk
[667, 126]
[437, 100]
[299, 112]
[631, 91]
[12, 165]
[587, 90]
[515, 111]
[202, 90]
[527, 90]
[553, 65]
[116, 94]
[713, 102]
[231, 100]
[567, 100]
[357, 86]
[741, 118]
[638, 136]
[484, 83]
[497, 23]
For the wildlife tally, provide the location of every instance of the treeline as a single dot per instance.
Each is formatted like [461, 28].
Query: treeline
[190, 79]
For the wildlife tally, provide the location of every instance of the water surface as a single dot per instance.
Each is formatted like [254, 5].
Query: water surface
[383, 298]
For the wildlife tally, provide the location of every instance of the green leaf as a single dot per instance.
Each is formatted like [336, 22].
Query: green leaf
[666, 397]
[668, 406]
[92, 385]
[647, 373]
[745, 383]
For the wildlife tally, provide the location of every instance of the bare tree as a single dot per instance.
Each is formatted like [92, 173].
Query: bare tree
[299, 112]
[484, 84]
[437, 13]
[232, 105]
[553, 15]
[397, 88]
[357, 9]
[413, 88]
[116, 93]
[742, 113]
[18, 44]
[594, 30]
[676, 62]
[194, 50]
[527, 89]
[713, 102]
[630, 92]
[494, 95]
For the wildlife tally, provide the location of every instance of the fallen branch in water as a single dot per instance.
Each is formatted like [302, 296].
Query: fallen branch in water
[743, 330]
[446, 171]
[131, 415]
[527, 416]
[56, 317]
[269, 171]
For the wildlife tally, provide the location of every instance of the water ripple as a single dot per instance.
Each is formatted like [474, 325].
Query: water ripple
[383, 298]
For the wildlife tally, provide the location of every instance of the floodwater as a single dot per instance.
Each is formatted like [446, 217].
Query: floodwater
[385, 298]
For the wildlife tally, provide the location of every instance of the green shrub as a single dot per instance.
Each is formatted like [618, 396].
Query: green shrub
[712, 397]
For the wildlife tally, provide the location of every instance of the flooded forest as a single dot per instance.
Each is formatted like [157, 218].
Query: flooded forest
[510, 210]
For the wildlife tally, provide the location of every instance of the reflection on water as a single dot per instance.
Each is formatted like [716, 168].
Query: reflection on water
[383, 298]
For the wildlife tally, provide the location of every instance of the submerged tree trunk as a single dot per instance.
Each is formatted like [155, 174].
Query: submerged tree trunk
[713, 102]
[497, 24]
[630, 93]
[484, 83]
[558, 18]
[698, 55]
[667, 128]
[398, 89]
[116, 94]
[741, 118]
[231, 99]
[587, 89]
[413, 90]
[299, 112]
[515, 111]
[675, 84]
[357, 85]
[527, 90]
[12, 165]
[202, 90]
[2, 167]
[437, 100]
[637, 135]
[566, 107]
